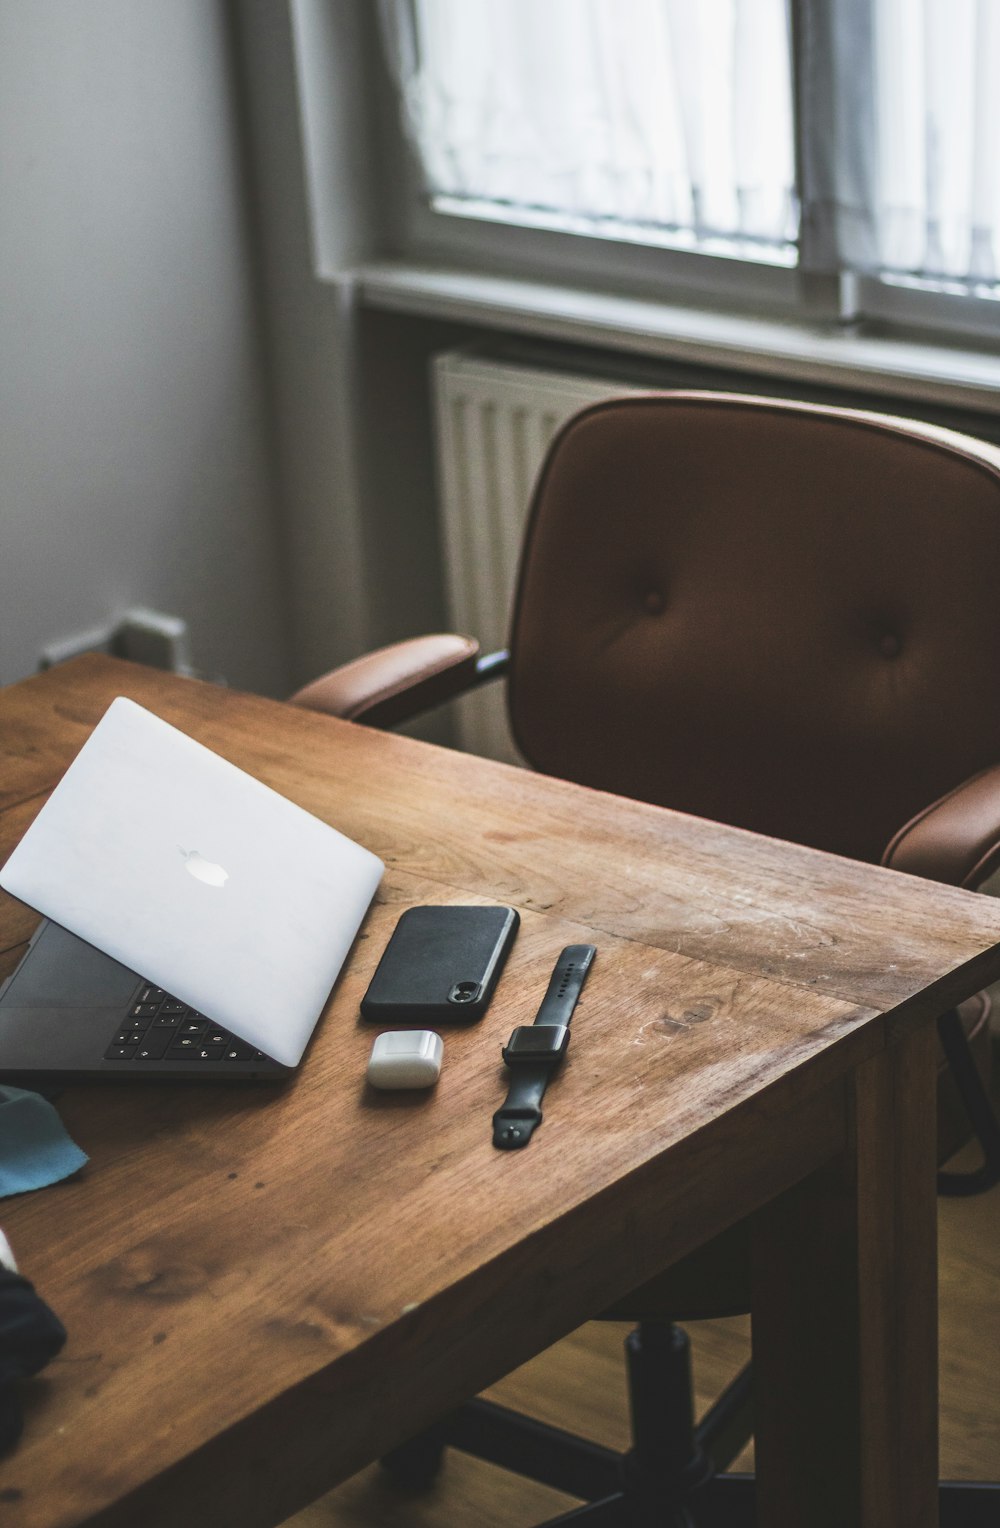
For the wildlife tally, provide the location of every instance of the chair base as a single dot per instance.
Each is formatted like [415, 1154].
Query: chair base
[593, 1473]
[728, 1501]
[673, 1477]
[670, 1466]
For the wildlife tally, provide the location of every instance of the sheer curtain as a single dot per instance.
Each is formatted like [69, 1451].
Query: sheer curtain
[661, 118]
[900, 128]
[937, 65]
[671, 121]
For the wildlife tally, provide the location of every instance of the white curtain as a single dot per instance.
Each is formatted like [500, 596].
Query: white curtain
[900, 131]
[937, 68]
[670, 115]
[676, 116]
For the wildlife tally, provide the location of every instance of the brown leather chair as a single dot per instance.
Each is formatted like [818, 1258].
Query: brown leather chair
[779, 615]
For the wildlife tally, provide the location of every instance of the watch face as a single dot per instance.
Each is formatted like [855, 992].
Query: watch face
[537, 1040]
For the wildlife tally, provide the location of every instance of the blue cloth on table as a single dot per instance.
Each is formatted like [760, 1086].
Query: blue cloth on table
[34, 1147]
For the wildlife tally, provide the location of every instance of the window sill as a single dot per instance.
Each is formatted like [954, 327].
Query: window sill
[900, 368]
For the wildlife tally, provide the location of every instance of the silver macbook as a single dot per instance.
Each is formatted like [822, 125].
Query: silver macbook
[198, 918]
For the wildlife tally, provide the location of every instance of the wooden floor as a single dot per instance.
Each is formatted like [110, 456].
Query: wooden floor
[579, 1384]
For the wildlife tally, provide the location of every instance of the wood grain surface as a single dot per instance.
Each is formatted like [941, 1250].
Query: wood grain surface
[661, 878]
[265, 1288]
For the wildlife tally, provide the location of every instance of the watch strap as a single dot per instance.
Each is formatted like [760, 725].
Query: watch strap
[520, 1114]
[521, 1110]
[568, 976]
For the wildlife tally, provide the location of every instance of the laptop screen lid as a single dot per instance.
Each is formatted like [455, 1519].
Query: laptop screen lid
[182, 867]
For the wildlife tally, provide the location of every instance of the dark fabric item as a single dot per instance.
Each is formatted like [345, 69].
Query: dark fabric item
[771, 614]
[11, 1420]
[30, 1335]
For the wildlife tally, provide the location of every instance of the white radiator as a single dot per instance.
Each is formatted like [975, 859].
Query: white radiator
[493, 424]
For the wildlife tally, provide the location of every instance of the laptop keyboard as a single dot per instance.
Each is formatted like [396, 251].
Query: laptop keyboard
[157, 1027]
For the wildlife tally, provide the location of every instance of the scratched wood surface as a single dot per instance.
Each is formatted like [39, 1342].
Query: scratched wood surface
[294, 1248]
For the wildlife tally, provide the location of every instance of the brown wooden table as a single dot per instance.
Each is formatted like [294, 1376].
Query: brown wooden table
[264, 1290]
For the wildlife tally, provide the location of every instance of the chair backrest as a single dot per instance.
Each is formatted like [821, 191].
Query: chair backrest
[778, 615]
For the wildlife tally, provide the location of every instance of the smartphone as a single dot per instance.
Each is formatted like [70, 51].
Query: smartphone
[441, 965]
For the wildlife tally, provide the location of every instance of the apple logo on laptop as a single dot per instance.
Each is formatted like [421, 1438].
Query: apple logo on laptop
[204, 870]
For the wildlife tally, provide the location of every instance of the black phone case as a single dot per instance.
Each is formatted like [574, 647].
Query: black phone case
[441, 965]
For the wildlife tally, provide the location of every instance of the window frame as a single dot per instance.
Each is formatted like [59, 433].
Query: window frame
[416, 232]
[818, 290]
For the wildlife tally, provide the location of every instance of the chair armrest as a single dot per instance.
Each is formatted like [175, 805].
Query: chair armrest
[396, 682]
[957, 838]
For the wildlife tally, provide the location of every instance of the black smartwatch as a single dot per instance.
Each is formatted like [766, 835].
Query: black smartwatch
[534, 1051]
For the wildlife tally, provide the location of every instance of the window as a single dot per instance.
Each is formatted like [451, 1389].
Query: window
[937, 142]
[856, 138]
[634, 119]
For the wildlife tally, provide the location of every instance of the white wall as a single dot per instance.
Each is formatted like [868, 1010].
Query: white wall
[290, 50]
[135, 465]
[350, 387]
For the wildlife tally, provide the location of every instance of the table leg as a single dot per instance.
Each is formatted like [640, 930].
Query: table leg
[845, 1316]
